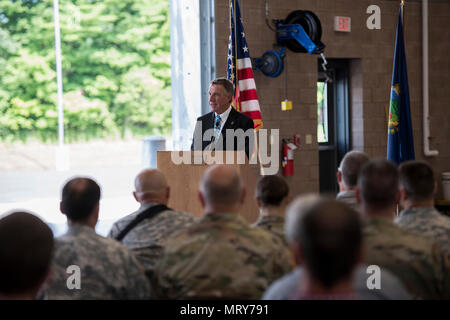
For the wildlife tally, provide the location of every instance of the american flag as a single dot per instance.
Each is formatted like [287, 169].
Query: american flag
[239, 69]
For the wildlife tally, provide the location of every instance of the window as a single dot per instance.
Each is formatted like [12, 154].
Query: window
[322, 112]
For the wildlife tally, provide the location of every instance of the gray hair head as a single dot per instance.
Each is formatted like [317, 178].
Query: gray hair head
[351, 165]
[225, 83]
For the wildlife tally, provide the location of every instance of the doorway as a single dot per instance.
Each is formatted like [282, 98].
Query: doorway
[333, 127]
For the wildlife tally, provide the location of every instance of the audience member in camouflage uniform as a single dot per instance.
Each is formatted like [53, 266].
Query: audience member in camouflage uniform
[26, 246]
[148, 237]
[417, 189]
[416, 260]
[221, 256]
[106, 268]
[347, 176]
[272, 197]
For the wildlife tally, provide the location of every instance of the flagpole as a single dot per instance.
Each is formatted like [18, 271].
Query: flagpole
[62, 159]
[402, 4]
[236, 90]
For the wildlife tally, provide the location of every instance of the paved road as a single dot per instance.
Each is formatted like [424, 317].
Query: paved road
[28, 178]
[39, 191]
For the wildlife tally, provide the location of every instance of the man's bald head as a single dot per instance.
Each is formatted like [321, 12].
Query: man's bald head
[150, 185]
[221, 186]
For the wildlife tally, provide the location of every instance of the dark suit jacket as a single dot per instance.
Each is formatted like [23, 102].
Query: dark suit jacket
[235, 120]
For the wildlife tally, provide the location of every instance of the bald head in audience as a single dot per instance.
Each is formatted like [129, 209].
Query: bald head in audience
[221, 190]
[151, 186]
[26, 246]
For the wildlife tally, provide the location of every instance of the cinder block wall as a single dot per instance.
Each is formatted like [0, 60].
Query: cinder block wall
[372, 53]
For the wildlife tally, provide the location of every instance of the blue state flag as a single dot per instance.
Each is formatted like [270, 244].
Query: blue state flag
[400, 146]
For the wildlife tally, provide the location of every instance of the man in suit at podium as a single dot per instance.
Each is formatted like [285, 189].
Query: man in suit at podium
[219, 129]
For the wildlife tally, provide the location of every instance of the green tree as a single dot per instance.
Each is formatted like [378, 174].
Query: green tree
[115, 56]
[142, 95]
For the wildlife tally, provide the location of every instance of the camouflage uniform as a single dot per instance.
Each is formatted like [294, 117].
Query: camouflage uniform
[428, 222]
[221, 256]
[146, 240]
[417, 261]
[273, 224]
[108, 270]
[348, 196]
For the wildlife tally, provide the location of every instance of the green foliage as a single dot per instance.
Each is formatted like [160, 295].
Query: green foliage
[115, 61]
[322, 125]
[142, 95]
[86, 118]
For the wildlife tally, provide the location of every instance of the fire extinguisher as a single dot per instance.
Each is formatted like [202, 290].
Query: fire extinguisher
[288, 158]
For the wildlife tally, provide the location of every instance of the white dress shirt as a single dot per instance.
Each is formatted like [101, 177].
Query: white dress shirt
[223, 116]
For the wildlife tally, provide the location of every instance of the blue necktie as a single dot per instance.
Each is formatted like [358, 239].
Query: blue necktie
[217, 124]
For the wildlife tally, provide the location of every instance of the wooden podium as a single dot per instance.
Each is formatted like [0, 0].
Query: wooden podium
[184, 171]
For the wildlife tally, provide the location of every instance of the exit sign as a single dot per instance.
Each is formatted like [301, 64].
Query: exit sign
[342, 24]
